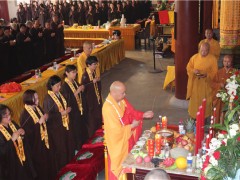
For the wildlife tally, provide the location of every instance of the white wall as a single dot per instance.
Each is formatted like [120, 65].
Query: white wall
[12, 8]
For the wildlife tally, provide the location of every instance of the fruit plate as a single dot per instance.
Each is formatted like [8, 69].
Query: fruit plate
[135, 151]
[140, 143]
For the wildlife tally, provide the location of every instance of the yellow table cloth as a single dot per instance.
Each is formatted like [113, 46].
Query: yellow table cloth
[78, 42]
[170, 76]
[85, 33]
[108, 56]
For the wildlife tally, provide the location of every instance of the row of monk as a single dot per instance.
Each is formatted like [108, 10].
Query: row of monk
[48, 137]
[25, 47]
[204, 78]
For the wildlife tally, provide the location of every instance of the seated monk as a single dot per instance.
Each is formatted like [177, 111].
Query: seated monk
[119, 129]
[218, 83]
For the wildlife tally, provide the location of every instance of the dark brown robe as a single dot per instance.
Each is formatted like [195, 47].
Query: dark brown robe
[10, 165]
[94, 110]
[40, 153]
[60, 138]
[219, 78]
[78, 122]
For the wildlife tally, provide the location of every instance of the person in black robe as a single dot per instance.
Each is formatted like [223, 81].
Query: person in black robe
[21, 15]
[38, 44]
[49, 43]
[73, 16]
[10, 44]
[12, 166]
[58, 29]
[119, 11]
[4, 51]
[27, 12]
[97, 15]
[111, 13]
[65, 13]
[34, 129]
[104, 8]
[24, 49]
[14, 30]
[93, 96]
[59, 132]
[35, 12]
[78, 103]
[81, 14]
[90, 15]
[42, 15]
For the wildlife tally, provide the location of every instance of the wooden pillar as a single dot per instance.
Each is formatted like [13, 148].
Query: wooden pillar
[187, 38]
[4, 10]
[206, 16]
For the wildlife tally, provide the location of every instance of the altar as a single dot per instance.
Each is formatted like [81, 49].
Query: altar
[143, 168]
[128, 32]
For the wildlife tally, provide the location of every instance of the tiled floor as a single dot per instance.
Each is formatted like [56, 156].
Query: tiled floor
[144, 89]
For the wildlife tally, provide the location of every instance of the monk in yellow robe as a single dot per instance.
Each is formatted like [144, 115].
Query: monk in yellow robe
[219, 83]
[201, 69]
[214, 45]
[81, 61]
[117, 133]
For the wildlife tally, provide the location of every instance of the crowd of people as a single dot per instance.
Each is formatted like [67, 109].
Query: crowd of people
[49, 136]
[86, 12]
[35, 36]
[27, 46]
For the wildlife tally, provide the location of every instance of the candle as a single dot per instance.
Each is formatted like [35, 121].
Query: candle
[198, 127]
[204, 101]
[211, 134]
[202, 119]
[214, 113]
[207, 141]
[164, 122]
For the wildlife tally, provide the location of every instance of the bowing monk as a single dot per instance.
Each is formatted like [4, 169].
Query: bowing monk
[120, 122]
[201, 69]
[81, 61]
[214, 45]
[219, 83]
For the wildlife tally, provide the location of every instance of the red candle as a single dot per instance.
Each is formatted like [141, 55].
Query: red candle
[198, 128]
[211, 134]
[207, 141]
[204, 105]
[214, 113]
[202, 119]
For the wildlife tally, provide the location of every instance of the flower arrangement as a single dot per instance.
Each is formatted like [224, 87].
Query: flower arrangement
[230, 96]
[222, 159]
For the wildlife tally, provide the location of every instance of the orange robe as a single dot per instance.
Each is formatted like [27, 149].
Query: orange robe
[116, 132]
[214, 47]
[81, 66]
[200, 88]
[221, 77]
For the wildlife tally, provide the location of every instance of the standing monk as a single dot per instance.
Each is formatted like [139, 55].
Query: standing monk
[219, 83]
[201, 69]
[81, 61]
[214, 45]
[93, 96]
[117, 130]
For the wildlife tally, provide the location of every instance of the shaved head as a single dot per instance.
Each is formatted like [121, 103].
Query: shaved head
[117, 90]
[209, 33]
[227, 61]
[204, 49]
[87, 48]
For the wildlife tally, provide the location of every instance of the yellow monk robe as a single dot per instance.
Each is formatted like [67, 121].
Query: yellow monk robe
[116, 134]
[81, 66]
[200, 88]
[214, 47]
[221, 77]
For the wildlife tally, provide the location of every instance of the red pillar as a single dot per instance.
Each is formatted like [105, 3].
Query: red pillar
[207, 16]
[187, 39]
[4, 10]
